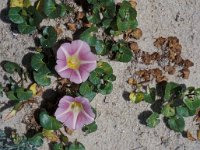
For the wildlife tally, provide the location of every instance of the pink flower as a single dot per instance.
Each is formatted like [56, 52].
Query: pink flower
[75, 61]
[74, 112]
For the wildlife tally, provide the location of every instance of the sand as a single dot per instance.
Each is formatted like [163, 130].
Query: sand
[118, 125]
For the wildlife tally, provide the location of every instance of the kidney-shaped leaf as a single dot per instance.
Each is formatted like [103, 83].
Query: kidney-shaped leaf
[15, 16]
[176, 123]
[49, 122]
[49, 37]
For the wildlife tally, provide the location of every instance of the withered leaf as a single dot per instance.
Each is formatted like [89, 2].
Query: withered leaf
[146, 58]
[132, 81]
[170, 69]
[71, 26]
[159, 42]
[156, 72]
[188, 63]
[178, 60]
[80, 15]
[198, 134]
[68, 131]
[134, 47]
[136, 34]
[59, 30]
[133, 3]
[155, 56]
[190, 136]
[185, 73]
[161, 79]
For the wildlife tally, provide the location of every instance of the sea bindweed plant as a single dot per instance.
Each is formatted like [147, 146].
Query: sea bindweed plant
[79, 75]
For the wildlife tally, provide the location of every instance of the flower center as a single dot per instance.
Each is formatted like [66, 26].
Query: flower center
[76, 106]
[73, 62]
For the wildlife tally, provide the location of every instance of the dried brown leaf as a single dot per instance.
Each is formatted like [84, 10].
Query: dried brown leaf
[155, 56]
[146, 58]
[198, 134]
[71, 26]
[132, 81]
[133, 3]
[161, 79]
[188, 63]
[134, 47]
[80, 15]
[159, 42]
[190, 136]
[170, 69]
[137, 33]
[185, 73]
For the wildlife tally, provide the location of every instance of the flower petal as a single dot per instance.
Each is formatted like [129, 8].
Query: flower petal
[86, 105]
[60, 114]
[65, 101]
[63, 73]
[63, 51]
[84, 74]
[82, 120]
[76, 77]
[69, 120]
[88, 67]
[79, 46]
[88, 57]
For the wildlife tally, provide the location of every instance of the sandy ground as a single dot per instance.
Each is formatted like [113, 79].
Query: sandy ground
[118, 125]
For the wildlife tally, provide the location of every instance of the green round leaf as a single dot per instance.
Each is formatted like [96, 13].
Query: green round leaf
[182, 111]
[90, 96]
[49, 37]
[85, 88]
[95, 78]
[23, 94]
[88, 36]
[48, 122]
[176, 123]
[153, 120]
[169, 90]
[105, 88]
[168, 111]
[101, 48]
[25, 28]
[125, 55]
[11, 95]
[15, 16]
[150, 97]
[90, 128]
[41, 76]
[50, 9]
[36, 61]
[11, 67]
[192, 104]
[36, 140]
[105, 67]
[76, 146]
[109, 77]
[57, 146]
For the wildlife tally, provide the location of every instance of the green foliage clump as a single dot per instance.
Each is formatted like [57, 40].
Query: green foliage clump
[175, 103]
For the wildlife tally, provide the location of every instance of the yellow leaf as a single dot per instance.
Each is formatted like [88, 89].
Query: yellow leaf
[33, 88]
[50, 135]
[16, 3]
[39, 5]
[132, 97]
[20, 3]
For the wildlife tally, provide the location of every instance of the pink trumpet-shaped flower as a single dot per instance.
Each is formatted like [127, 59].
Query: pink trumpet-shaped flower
[74, 112]
[75, 61]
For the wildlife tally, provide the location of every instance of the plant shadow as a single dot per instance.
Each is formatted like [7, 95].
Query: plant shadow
[143, 116]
